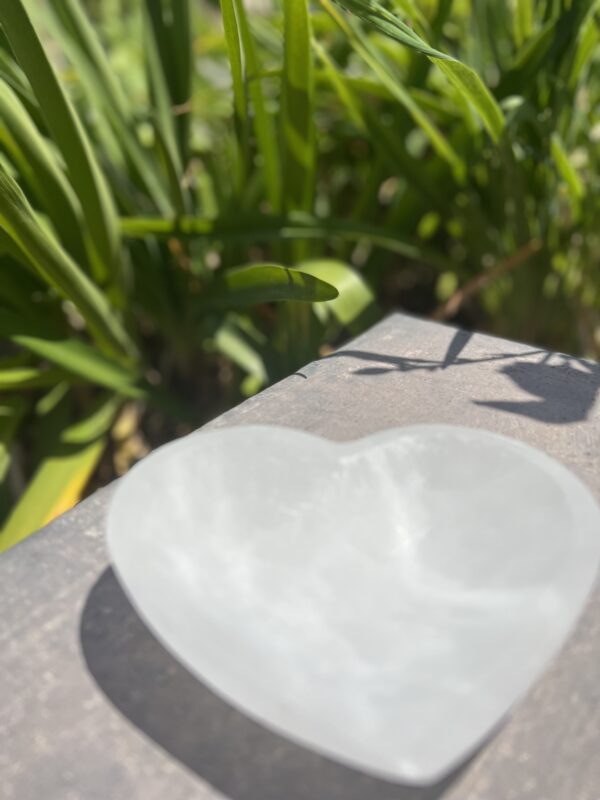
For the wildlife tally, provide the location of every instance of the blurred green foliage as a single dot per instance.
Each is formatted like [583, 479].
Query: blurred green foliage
[195, 200]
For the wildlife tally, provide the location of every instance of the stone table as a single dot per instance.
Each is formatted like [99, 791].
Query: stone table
[93, 708]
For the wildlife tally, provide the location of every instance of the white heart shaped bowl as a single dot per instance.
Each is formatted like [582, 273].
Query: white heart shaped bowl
[383, 601]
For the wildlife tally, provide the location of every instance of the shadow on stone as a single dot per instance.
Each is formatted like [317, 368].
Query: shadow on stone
[562, 392]
[237, 756]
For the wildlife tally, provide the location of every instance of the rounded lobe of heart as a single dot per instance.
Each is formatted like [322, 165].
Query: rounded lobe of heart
[383, 601]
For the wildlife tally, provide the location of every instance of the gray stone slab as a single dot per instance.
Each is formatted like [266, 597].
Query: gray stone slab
[92, 707]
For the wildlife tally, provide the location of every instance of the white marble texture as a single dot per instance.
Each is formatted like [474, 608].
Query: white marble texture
[383, 601]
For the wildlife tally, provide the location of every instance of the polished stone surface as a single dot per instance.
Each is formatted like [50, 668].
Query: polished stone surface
[92, 706]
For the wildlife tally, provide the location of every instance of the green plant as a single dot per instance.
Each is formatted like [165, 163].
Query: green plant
[147, 150]
[515, 210]
[89, 319]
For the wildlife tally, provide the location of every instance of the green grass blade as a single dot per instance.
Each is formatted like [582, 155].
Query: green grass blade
[294, 226]
[181, 47]
[297, 112]
[524, 16]
[472, 88]
[528, 61]
[158, 25]
[56, 486]
[589, 37]
[265, 283]
[463, 77]
[12, 73]
[388, 23]
[63, 474]
[57, 269]
[79, 30]
[22, 378]
[411, 9]
[172, 32]
[37, 164]
[82, 46]
[547, 48]
[73, 355]
[341, 87]
[567, 172]
[374, 60]
[84, 173]
[235, 346]
[240, 100]
[266, 135]
[167, 155]
[160, 92]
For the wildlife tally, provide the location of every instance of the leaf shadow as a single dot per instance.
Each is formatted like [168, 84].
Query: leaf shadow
[561, 392]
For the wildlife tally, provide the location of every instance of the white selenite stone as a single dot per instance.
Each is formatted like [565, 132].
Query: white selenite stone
[383, 601]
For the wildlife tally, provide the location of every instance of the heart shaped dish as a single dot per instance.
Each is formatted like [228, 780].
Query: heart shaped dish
[383, 601]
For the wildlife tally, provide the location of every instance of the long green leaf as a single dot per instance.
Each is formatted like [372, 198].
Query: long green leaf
[263, 123]
[73, 355]
[297, 113]
[36, 162]
[171, 25]
[545, 50]
[524, 20]
[342, 87]
[233, 345]
[55, 267]
[82, 45]
[169, 57]
[529, 60]
[373, 58]
[182, 49]
[388, 23]
[240, 100]
[68, 133]
[265, 283]
[290, 227]
[472, 88]
[62, 476]
[567, 172]
[157, 60]
[463, 77]
[14, 76]
[172, 166]
[56, 486]
[419, 18]
[589, 37]
[76, 26]
[19, 378]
